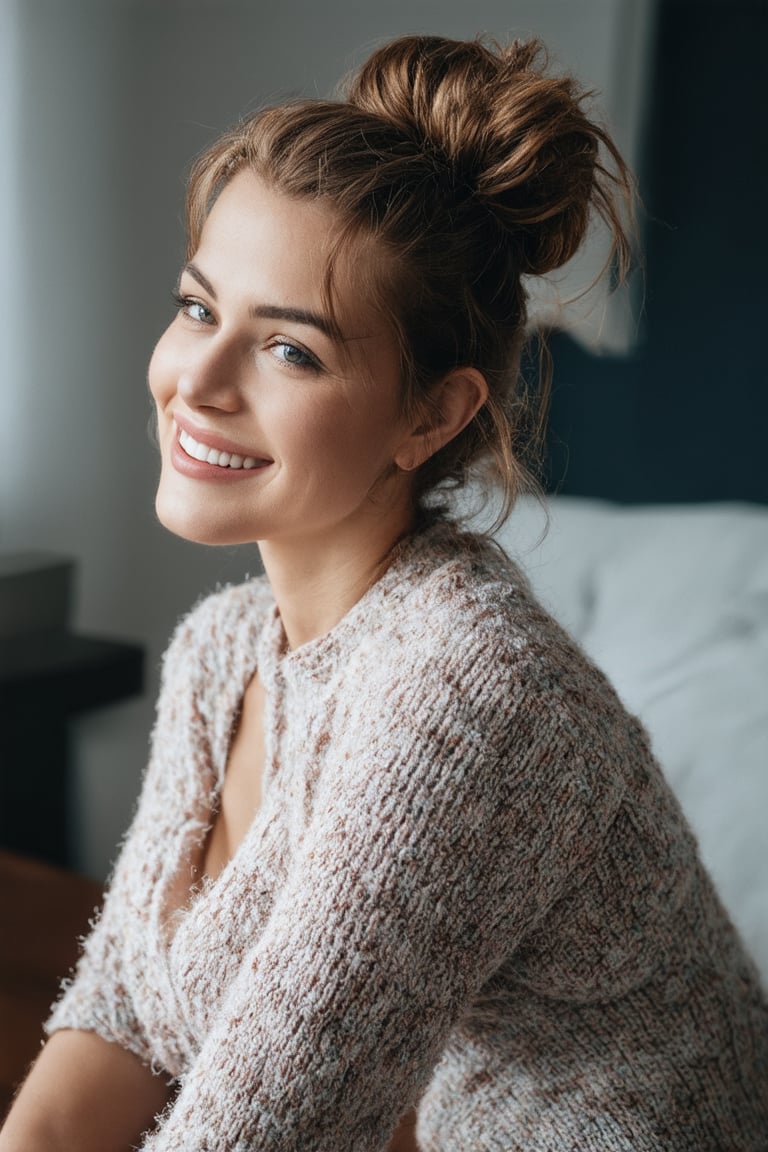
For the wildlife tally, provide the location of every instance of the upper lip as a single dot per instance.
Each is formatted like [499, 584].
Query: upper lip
[211, 440]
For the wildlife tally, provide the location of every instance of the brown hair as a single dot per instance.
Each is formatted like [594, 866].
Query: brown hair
[467, 166]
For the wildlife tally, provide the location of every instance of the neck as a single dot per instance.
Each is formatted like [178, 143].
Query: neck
[316, 580]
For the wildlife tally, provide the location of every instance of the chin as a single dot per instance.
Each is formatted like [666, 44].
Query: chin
[192, 525]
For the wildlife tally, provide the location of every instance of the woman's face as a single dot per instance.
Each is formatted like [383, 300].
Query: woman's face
[272, 425]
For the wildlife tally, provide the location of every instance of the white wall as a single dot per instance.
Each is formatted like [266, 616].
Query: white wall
[108, 101]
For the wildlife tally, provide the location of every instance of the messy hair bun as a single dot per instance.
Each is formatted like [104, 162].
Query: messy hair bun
[514, 139]
[464, 167]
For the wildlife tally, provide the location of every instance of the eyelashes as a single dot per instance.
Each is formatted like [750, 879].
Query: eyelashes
[287, 352]
[186, 304]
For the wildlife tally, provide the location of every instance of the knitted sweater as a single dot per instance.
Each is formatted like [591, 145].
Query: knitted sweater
[467, 888]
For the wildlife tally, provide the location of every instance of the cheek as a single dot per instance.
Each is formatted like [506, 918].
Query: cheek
[301, 427]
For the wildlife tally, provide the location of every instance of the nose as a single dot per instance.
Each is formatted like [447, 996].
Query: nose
[212, 379]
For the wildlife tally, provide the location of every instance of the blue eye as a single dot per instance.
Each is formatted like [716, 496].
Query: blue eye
[192, 308]
[294, 356]
[197, 311]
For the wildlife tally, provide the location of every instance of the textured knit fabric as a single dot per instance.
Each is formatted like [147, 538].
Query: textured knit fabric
[467, 888]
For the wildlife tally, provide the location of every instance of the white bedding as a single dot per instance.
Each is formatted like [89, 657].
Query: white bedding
[672, 602]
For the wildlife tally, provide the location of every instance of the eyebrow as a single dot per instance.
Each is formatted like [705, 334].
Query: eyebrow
[274, 311]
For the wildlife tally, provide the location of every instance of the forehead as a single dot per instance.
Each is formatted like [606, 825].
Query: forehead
[252, 228]
[261, 240]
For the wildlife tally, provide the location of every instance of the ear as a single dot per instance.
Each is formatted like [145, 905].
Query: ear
[452, 404]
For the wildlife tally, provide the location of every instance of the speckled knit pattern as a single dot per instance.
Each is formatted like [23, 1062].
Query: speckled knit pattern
[468, 887]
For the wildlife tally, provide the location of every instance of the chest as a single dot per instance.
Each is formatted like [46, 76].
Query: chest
[242, 789]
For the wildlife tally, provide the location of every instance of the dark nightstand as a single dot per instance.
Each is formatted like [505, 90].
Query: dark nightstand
[46, 678]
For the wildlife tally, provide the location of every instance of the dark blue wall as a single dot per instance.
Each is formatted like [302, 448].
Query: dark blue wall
[686, 417]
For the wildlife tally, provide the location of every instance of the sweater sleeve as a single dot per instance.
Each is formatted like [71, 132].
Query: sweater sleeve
[98, 998]
[432, 849]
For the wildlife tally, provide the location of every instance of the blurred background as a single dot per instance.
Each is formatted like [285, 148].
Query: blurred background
[103, 105]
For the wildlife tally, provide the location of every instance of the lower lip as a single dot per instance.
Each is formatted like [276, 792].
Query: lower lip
[201, 470]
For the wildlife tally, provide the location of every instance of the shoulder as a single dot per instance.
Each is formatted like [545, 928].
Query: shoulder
[465, 604]
[211, 657]
[219, 626]
[474, 702]
[469, 636]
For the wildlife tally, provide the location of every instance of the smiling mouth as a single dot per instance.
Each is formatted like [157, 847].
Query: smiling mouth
[208, 455]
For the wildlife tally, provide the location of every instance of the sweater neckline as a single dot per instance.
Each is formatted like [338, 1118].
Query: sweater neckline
[418, 554]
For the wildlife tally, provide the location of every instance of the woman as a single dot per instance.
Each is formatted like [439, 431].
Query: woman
[400, 857]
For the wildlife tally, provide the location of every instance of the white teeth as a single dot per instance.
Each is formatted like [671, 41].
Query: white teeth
[211, 456]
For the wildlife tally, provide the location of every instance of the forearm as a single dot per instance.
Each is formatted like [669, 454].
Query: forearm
[83, 1095]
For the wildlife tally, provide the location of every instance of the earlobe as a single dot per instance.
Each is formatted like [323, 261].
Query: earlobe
[405, 462]
[453, 404]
